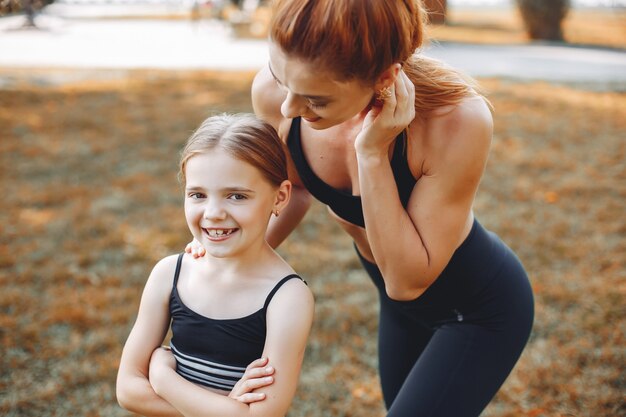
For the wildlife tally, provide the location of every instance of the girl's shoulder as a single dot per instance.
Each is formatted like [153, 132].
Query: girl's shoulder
[161, 279]
[294, 286]
[292, 298]
[288, 286]
[167, 266]
[165, 270]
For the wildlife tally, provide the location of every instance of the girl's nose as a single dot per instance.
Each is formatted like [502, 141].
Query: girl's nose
[214, 211]
[293, 106]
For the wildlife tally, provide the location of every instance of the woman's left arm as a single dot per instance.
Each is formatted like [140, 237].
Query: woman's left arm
[289, 319]
[413, 245]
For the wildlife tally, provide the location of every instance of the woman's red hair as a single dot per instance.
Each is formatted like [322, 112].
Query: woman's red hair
[360, 39]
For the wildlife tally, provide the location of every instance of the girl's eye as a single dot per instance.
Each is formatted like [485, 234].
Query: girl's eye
[196, 196]
[237, 197]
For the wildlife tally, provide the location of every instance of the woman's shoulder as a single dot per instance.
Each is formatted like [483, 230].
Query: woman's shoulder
[473, 108]
[456, 135]
[470, 118]
[267, 98]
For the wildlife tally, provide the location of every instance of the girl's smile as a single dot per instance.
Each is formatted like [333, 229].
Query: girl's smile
[218, 235]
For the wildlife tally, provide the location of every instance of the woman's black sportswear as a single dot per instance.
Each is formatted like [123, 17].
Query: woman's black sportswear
[216, 352]
[447, 352]
[345, 205]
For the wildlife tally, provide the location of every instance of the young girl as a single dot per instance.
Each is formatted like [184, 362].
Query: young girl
[239, 302]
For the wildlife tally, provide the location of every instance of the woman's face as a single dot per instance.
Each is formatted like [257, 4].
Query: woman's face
[314, 94]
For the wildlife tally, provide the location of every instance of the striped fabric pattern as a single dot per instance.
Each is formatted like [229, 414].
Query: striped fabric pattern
[207, 373]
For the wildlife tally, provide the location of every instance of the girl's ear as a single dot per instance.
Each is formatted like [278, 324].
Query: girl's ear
[282, 197]
[388, 77]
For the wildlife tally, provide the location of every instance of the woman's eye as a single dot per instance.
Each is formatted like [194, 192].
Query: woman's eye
[317, 105]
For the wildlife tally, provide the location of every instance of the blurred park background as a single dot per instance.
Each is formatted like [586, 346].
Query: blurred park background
[90, 201]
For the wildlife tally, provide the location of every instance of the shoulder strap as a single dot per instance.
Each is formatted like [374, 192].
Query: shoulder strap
[277, 287]
[294, 130]
[179, 263]
[401, 170]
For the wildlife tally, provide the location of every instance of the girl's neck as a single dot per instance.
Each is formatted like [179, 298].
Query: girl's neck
[252, 260]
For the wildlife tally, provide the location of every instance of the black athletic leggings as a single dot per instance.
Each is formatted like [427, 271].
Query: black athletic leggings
[447, 353]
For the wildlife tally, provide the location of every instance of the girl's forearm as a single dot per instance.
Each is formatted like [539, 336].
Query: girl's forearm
[194, 401]
[137, 396]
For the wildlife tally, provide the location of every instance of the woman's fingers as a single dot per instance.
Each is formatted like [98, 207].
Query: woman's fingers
[405, 93]
[199, 252]
[195, 249]
[400, 105]
[411, 95]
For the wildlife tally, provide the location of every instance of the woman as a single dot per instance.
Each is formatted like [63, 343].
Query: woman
[396, 144]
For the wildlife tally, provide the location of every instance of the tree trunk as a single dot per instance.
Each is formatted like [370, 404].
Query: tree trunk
[29, 9]
[543, 18]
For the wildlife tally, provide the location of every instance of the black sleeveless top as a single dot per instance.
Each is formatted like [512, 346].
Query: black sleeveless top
[216, 352]
[345, 205]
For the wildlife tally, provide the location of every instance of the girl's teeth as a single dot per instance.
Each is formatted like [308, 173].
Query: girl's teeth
[218, 232]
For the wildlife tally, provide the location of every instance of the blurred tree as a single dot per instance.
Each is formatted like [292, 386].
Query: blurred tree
[543, 18]
[436, 10]
[29, 10]
[28, 7]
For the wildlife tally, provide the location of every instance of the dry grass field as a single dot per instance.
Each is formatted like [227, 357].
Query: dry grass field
[90, 202]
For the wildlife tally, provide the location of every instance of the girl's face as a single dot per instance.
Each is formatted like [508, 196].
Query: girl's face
[228, 203]
[316, 95]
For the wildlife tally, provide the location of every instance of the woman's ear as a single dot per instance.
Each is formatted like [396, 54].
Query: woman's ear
[282, 197]
[388, 77]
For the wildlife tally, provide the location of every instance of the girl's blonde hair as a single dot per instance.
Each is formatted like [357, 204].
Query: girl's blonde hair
[245, 138]
[359, 39]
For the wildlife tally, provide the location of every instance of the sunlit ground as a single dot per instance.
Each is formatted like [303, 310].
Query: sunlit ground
[91, 202]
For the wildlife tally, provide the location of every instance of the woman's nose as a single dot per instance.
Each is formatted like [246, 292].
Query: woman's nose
[293, 106]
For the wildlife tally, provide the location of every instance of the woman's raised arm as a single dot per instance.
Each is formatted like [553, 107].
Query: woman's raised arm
[413, 245]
